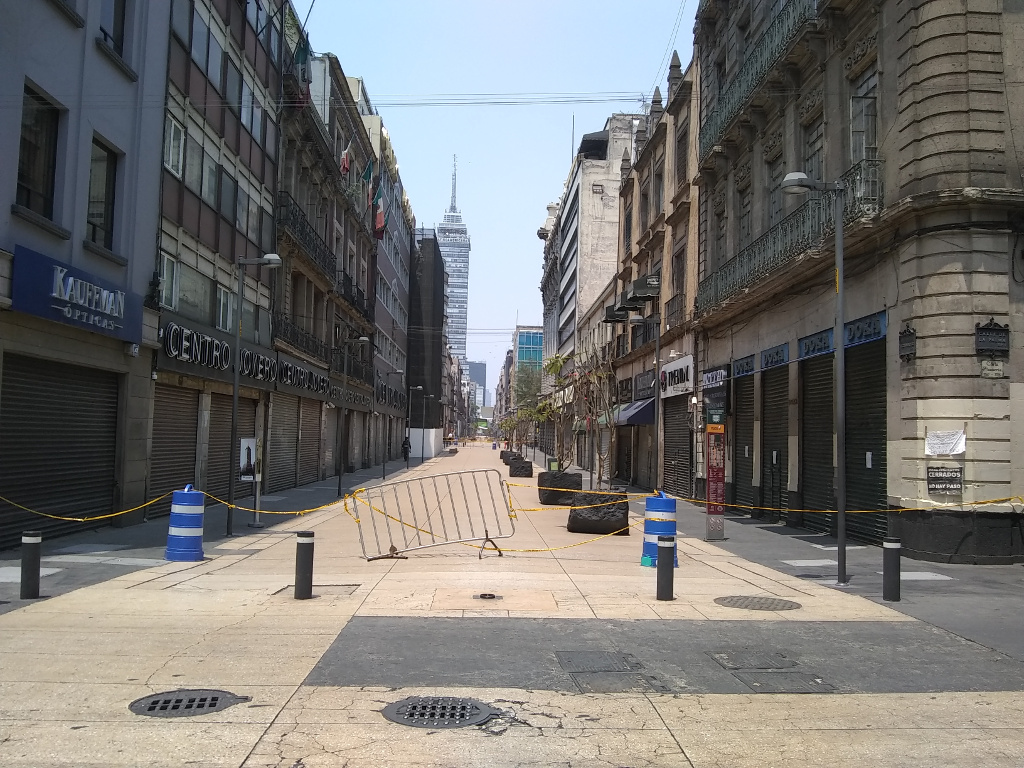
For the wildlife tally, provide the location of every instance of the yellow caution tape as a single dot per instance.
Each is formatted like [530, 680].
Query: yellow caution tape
[84, 519]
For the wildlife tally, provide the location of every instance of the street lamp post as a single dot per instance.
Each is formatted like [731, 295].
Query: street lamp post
[272, 261]
[341, 409]
[384, 470]
[656, 320]
[799, 183]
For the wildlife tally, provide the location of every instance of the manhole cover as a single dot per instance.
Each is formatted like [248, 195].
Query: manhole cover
[784, 682]
[185, 703]
[751, 659]
[758, 603]
[597, 661]
[439, 712]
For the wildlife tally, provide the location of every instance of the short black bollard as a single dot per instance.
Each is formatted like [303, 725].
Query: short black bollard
[666, 562]
[31, 544]
[891, 570]
[303, 565]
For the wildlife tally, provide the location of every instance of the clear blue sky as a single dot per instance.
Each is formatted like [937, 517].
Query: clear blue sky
[513, 159]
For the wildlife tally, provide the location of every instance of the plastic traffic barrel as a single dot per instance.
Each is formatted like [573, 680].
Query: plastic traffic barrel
[660, 520]
[185, 531]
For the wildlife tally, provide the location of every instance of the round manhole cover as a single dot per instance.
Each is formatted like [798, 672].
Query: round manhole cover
[758, 603]
[185, 703]
[438, 712]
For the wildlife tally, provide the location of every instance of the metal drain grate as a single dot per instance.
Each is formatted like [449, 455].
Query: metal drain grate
[784, 682]
[748, 658]
[185, 703]
[439, 712]
[751, 603]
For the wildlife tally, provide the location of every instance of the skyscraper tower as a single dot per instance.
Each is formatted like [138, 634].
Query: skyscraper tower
[453, 238]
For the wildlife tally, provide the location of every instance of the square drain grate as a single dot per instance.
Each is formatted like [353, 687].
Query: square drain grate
[750, 658]
[185, 703]
[784, 682]
[597, 661]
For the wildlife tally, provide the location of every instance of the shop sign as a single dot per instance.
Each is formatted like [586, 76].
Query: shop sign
[815, 344]
[388, 395]
[625, 391]
[188, 346]
[677, 377]
[293, 375]
[63, 294]
[714, 384]
[864, 330]
[743, 367]
[715, 505]
[775, 356]
[210, 354]
[643, 385]
[992, 339]
[945, 480]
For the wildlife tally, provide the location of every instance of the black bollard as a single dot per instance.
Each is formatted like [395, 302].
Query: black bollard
[303, 565]
[31, 544]
[891, 570]
[666, 561]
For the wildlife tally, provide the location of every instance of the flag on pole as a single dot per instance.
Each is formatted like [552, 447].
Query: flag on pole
[381, 225]
[346, 159]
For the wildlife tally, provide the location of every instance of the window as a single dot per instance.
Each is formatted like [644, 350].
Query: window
[228, 187]
[659, 189]
[645, 204]
[37, 159]
[112, 24]
[174, 146]
[863, 117]
[215, 62]
[775, 191]
[99, 221]
[814, 149]
[682, 158]
[194, 294]
[169, 282]
[232, 86]
[225, 309]
[252, 229]
[257, 121]
[270, 143]
[721, 229]
[211, 173]
[200, 35]
[181, 21]
[744, 219]
[246, 105]
[627, 231]
[193, 165]
[267, 231]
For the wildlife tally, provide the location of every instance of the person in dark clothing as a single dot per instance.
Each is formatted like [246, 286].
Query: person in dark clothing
[406, 448]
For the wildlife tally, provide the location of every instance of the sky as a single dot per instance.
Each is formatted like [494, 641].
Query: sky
[513, 159]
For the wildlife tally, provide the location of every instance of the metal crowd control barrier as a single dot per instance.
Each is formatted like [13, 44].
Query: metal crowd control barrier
[423, 512]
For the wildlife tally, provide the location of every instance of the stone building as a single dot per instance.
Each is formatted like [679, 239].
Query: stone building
[910, 106]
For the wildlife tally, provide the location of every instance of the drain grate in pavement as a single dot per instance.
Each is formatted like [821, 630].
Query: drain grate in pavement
[754, 603]
[784, 682]
[439, 712]
[619, 682]
[185, 703]
[747, 658]
[597, 661]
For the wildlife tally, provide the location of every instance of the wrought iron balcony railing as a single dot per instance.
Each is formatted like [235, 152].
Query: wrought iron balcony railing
[800, 231]
[621, 347]
[292, 218]
[675, 310]
[289, 332]
[760, 59]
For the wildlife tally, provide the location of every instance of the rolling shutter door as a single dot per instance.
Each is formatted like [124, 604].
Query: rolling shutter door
[743, 454]
[677, 446]
[816, 440]
[58, 437]
[175, 431]
[309, 441]
[774, 438]
[284, 441]
[624, 449]
[866, 434]
[219, 448]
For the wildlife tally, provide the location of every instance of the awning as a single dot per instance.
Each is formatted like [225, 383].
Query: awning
[602, 421]
[637, 412]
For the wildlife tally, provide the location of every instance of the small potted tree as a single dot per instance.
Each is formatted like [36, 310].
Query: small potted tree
[557, 486]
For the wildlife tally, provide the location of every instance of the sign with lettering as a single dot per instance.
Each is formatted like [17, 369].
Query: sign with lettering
[625, 393]
[643, 385]
[298, 378]
[715, 506]
[945, 480]
[58, 292]
[743, 367]
[864, 330]
[677, 377]
[775, 356]
[714, 384]
[992, 339]
[210, 354]
[816, 344]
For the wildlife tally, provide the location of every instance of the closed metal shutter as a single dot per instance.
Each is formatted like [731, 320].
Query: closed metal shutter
[866, 434]
[604, 466]
[219, 445]
[309, 441]
[175, 431]
[284, 441]
[677, 447]
[58, 438]
[624, 451]
[816, 440]
[774, 438]
[645, 456]
[743, 442]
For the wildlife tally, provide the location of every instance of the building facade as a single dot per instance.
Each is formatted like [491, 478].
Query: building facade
[78, 295]
[453, 237]
[427, 346]
[887, 99]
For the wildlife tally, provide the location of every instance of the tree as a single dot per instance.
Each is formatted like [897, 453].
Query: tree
[527, 386]
[559, 408]
[597, 384]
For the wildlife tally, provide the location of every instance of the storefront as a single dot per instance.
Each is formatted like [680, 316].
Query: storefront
[743, 447]
[623, 434]
[676, 389]
[775, 430]
[641, 418]
[296, 423]
[70, 354]
[817, 465]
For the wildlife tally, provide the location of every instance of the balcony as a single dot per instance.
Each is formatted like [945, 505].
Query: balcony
[358, 370]
[621, 348]
[287, 331]
[802, 230]
[292, 219]
[355, 296]
[675, 310]
[761, 58]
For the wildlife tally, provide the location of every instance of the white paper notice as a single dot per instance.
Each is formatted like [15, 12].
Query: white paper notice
[945, 443]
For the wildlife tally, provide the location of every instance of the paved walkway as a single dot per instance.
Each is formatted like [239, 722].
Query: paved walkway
[586, 667]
